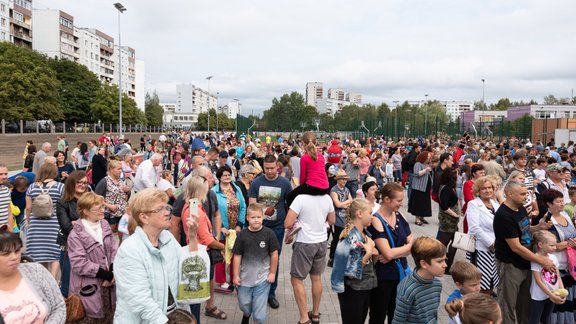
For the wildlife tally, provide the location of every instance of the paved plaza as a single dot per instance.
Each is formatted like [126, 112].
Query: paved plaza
[329, 307]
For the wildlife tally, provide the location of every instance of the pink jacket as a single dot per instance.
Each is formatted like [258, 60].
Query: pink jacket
[313, 172]
[86, 257]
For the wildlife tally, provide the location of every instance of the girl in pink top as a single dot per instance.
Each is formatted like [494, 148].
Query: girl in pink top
[313, 178]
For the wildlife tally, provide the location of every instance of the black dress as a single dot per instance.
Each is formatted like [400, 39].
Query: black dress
[420, 202]
[99, 168]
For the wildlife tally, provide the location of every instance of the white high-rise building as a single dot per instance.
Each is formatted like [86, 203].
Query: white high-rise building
[336, 93]
[354, 98]
[232, 109]
[106, 55]
[54, 35]
[314, 90]
[89, 49]
[455, 108]
[140, 84]
[191, 101]
[4, 21]
[128, 57]
[21, 22]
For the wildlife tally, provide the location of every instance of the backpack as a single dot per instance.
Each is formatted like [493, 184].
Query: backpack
[542, 207]
[42, 205]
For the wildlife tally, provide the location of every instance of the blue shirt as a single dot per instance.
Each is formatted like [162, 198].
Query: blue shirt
[456, 294]
[271, 194]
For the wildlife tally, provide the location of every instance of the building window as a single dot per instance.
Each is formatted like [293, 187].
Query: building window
[3, 22]
[2, 7]
[18, 16]
[24, 3]
[66, 23]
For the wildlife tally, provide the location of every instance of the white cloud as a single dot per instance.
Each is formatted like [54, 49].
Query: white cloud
[387, 50]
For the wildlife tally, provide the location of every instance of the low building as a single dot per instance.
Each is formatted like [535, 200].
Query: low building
[542, 111]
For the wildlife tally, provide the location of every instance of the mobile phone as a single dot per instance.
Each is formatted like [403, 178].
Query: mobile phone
[548, 216]
[194, 202]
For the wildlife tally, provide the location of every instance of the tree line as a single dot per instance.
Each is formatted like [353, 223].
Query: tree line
[34, 86]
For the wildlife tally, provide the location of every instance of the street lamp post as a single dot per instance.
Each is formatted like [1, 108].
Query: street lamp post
[217, 93]
[208, 101]
[120, 9]
[483, 81]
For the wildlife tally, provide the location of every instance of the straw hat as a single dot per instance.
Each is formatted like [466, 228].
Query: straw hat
[341, 174]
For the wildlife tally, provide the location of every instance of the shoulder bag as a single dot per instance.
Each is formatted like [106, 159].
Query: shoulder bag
[466, 242]
[402, 272]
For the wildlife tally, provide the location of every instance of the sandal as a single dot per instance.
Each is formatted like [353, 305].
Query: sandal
[424, 221]
[214, 312]
[307, 322]
[314, 319]
[419, 223]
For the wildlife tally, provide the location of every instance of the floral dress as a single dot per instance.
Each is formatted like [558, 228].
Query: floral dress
[233, 207]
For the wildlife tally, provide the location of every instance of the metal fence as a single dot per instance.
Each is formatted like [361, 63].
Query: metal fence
[47, 126]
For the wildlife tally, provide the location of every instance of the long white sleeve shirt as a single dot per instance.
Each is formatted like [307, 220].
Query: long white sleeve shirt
[146, 176]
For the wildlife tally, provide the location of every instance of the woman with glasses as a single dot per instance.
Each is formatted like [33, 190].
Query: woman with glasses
[114, 191]
[67, 213]
[232, 207]
[92, 250]
[41, 239]
[146, 267]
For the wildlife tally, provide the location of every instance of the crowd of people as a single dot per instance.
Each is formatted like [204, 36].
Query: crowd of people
[107, 232]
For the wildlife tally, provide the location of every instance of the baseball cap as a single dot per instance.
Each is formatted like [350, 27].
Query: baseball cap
[223, 154]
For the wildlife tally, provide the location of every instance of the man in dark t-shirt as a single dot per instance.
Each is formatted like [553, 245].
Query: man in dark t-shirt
[513, 255]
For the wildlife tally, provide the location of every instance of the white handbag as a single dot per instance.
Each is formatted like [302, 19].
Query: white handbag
[464, 242]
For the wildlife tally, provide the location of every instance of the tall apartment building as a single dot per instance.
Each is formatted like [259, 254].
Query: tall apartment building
[106, 55]
[314, 90]
[191, 101]
[455, 108]
[21, 23]
[140, 83]
[89, 49]
[4, 21]
[54, 35]
[128, 57]
[337, 94]
[232, 109]
[354, 98]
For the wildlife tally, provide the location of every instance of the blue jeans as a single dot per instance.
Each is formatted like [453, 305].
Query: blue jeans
[65, 268]
[279, 231]
[195, 310]
[252, 301]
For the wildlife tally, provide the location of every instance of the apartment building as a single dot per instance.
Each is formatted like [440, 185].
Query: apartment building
[5, 21]
[127, 56]
[106, 55]
[54, 35]
[455, 108]
[21, 22]
[191, 101]
[232, 109]
[89, 44]
[337, 94]
[314, 90]
[140, 84]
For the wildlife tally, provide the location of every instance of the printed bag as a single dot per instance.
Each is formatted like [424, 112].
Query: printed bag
[571, 252]
[194, 276]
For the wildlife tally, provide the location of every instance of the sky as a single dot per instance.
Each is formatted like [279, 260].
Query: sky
[388, 51]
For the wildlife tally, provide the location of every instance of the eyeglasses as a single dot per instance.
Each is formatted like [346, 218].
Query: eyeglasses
[98, 209]
[83, 183]
[167, 208]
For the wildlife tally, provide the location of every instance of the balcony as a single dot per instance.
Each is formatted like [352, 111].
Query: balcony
[20, 23]
[22, 36]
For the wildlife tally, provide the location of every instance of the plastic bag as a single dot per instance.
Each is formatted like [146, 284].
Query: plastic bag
[194, 276]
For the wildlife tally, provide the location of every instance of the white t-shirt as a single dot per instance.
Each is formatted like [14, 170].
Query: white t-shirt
[540, 174]
[550, 279]
[312, 214]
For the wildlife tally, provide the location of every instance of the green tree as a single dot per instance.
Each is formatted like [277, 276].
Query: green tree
[28, 86]
[551, 100]
[106, 109]
[288, 112]
[78, 88]
[502, 104]
[153, 110]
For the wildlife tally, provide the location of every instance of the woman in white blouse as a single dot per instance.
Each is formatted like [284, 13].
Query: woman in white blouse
[480, 216]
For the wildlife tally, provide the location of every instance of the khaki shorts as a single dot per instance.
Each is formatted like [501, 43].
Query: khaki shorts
[308, 258]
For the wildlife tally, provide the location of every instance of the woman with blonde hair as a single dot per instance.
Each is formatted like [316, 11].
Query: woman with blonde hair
[115, 194]
[42, 237]
[92, 250]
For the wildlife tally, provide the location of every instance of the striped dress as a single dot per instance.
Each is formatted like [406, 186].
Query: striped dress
[42, 234]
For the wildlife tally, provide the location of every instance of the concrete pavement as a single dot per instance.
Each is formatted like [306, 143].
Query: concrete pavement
[329, 307]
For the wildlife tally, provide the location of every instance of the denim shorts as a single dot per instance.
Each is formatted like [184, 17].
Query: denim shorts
[254, 301]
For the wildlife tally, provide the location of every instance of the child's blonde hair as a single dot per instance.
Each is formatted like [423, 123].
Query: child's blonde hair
[463, 271]
[358, 205]
[309, 140]
[542, 237]
[475, 308]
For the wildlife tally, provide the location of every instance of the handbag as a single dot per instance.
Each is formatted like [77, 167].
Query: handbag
[466, 242]
[215, 256]
[402, 272]
[74, 309]
[571, 252]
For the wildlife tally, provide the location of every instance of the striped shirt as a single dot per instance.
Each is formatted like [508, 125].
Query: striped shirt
[4, 204]
[417, 300]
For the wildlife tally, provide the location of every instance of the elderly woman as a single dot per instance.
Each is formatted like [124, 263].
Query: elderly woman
[114, 191]
[419, 203]
[92, 250]
[476, 171]
[232, 207]
[146, 267]
[480, 216]
[247, 174]
[67, 213]
[41, 240]
[28, 293]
